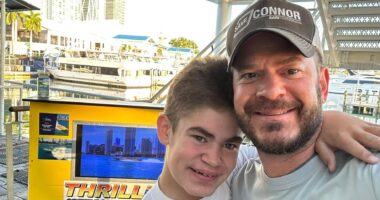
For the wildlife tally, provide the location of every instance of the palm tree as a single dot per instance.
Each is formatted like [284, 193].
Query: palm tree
[11, 19]
[32, 24]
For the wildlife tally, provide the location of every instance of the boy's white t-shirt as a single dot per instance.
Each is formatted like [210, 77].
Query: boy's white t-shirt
[223, 192]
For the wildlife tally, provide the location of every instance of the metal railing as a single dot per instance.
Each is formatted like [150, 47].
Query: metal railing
[9, 146]
[216, 47]
[364, 104]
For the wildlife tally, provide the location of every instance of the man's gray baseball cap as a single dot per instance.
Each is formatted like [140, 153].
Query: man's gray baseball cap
[291, 21]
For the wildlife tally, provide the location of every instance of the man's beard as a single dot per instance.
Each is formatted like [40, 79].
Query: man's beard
[309, 122]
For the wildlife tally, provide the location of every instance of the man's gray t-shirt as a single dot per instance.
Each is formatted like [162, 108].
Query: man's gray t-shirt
[353, 179]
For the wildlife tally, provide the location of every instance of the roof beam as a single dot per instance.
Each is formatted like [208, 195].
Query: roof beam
[247, 2]
[328, 33]
[19, 5]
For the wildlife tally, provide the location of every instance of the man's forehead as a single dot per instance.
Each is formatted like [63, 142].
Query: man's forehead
[261, 43]
[266, 40]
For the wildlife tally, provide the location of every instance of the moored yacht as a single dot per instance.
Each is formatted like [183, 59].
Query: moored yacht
[114, 70]
[354, 82]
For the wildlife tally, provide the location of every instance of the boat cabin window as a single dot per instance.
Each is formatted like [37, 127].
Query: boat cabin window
[147, 72]
[109, 71]
[125, 72]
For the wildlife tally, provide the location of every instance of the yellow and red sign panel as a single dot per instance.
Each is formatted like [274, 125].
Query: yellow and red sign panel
[104, 190]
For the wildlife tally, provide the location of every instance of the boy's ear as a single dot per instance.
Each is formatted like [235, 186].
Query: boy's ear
[163, 129]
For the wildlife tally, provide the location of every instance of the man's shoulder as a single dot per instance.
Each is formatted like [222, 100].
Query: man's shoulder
[354, 169]
[250, 165]
[374, 168]
[247, 173]
[343, 159]
[357, 172]
[246, 153]
[245, 179]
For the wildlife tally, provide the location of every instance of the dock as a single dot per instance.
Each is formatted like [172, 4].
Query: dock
[363, 104]
[10, 75]
[20, 167]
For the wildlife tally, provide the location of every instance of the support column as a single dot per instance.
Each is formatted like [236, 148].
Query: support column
[223, 15]
[2, 66]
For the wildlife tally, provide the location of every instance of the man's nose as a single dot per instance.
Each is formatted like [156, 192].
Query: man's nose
[271, 87]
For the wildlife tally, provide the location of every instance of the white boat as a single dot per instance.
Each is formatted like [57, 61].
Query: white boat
[113, 70]
[355, 83]
[131, 94]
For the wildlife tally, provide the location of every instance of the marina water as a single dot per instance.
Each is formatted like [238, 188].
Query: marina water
[19, 89]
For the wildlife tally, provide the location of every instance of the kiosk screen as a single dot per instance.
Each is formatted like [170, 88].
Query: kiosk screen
[117, 151]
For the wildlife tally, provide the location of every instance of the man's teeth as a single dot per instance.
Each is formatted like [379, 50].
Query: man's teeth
[273, 114]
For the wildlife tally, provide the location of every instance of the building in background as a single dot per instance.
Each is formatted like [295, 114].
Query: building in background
[115, 10]
[92, 10]
[83, 10]
[61, 10]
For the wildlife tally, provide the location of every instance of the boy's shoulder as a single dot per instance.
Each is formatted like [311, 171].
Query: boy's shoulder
[155, 193]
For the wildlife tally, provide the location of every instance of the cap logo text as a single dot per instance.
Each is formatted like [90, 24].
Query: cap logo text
[272, 13]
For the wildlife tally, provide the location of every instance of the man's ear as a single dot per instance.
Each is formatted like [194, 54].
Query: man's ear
[324, 78]
[163, 129]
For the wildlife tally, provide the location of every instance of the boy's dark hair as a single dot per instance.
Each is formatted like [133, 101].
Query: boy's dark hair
[203, 83]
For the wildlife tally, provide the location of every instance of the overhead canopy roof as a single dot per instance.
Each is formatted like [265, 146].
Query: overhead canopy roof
[247, 2]
[132, 37]
[19, 5]
[178, 49]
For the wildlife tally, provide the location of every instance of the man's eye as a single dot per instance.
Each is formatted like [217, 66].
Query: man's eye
[249, 76]
[293, 71]
[200, 139]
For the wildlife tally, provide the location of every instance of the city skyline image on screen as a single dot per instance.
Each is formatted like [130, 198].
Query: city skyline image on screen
[118, 151]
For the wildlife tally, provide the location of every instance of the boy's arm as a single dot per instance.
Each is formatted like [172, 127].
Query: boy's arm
[348, 133]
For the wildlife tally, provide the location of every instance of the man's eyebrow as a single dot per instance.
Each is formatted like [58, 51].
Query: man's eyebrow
[288, 60]
[243, 66]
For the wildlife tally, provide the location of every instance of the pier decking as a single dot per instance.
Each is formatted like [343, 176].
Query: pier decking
[363, 104]
[20, 161]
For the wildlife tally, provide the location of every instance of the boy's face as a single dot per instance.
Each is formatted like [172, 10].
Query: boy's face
[202, 152]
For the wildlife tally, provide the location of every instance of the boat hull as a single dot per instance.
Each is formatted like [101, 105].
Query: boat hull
[104, 80]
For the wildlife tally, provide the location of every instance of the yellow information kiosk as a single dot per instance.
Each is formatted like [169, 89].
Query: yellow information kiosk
[92, 149]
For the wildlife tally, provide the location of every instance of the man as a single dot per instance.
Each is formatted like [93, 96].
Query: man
[200, 131]
[279, 86]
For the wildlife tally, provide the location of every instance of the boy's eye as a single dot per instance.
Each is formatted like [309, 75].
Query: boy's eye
[231, 146]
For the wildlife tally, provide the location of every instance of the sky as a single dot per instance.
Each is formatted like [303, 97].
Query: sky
[192, 19]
